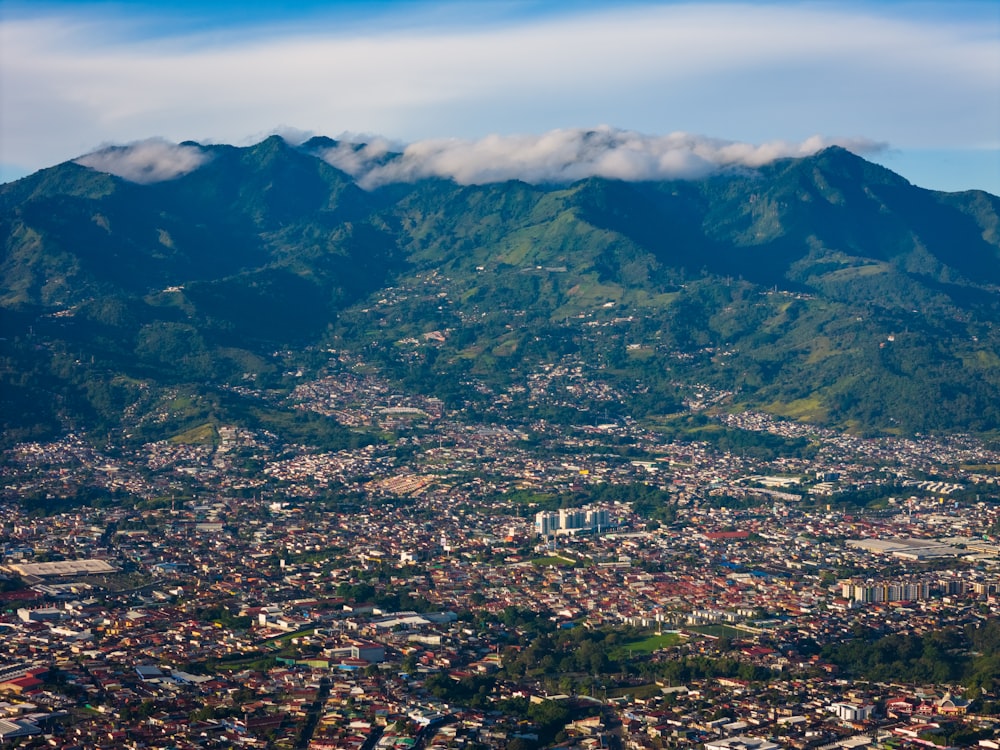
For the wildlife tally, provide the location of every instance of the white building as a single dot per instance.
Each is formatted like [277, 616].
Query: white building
[852, 711]
[742, 742]
[41, 614]
[571, 521]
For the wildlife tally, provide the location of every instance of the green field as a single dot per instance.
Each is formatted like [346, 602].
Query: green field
[648, 645]
[202, 435]
[554, 560]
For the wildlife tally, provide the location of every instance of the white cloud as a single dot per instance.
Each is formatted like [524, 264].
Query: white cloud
[558, 156]
[152, 160]
[565, 156]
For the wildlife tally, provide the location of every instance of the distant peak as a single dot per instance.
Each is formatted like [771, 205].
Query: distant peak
[837, 152]
[271, 143]
[840, 160]
[318, 142]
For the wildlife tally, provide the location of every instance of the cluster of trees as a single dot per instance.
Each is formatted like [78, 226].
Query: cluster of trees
[648, 501]
[969, 656]
[548, 717]
[765, 446]
[45, 503]
[472, 691]
[384, 597]
[575, 651]
[957, 734]
[580, 654]
[223, 616]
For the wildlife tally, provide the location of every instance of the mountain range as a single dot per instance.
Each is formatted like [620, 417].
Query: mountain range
[825, 289]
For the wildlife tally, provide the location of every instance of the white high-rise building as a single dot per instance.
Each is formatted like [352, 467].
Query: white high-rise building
[546, 524]
[570, 520]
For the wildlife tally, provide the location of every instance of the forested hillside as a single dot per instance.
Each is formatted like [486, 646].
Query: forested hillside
[825, 289]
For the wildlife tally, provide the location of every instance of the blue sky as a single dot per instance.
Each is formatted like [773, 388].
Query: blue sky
[915, 84]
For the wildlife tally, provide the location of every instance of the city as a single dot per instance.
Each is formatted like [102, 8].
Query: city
[505, 375]
[518, 584]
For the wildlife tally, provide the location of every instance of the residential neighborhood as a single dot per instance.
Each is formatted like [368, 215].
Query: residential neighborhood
[489, 585]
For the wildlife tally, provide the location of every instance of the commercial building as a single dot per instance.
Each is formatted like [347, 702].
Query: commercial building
[63, 568]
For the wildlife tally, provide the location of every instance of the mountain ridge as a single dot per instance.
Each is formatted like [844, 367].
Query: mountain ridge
[823, 288]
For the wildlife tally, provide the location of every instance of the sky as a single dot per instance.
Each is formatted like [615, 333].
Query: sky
[511, 87]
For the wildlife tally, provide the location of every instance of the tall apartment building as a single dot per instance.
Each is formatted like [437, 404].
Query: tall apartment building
[571, 520]
[886, 591]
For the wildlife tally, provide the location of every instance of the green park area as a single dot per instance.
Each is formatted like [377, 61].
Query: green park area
[647, 644]
[554, 561]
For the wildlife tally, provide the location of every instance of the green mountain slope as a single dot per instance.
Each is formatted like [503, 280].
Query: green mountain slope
[824, 288]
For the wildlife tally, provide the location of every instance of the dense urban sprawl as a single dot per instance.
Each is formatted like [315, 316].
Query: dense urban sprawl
[494, 584]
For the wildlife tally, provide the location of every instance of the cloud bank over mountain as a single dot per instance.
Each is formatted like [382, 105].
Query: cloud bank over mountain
[556, 157]
[148, 161]
[567, 155]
